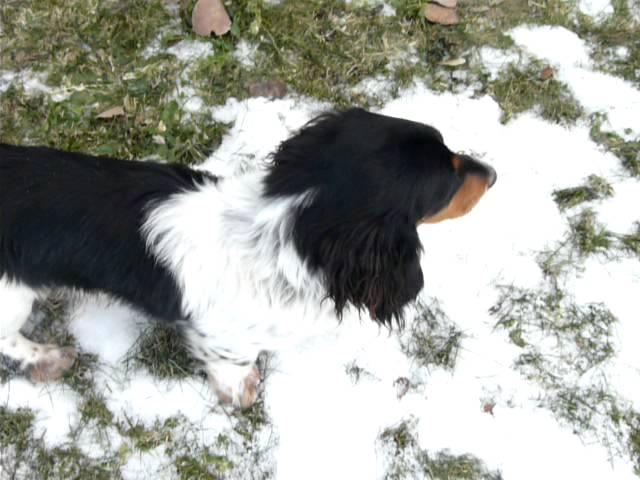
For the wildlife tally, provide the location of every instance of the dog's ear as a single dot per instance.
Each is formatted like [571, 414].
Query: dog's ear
[372, 265]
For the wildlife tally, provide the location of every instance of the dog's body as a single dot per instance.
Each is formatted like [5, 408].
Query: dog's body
[333, 218]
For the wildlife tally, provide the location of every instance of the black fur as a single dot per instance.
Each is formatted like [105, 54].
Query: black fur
[73, 220]
[373, 178]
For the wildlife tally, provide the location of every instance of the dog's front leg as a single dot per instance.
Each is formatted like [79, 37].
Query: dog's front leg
[229, 363]
[236, 385]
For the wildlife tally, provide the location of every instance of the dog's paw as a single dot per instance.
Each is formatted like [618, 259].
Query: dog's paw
[235, 385]
[50, 363]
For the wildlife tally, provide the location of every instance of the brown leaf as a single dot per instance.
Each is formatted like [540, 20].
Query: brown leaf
[402, 385]
[210, 16]
[112, 112]
[488, 407]
[268, 88]
[547, 73]
[437, 14]
[447, 3]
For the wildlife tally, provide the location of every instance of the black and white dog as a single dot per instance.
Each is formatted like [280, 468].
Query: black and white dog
[243, 263]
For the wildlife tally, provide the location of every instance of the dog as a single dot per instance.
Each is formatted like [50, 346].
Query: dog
[241, 264]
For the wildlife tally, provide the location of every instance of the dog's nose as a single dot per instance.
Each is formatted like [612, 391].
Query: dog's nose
[493, 176]
[476, 167]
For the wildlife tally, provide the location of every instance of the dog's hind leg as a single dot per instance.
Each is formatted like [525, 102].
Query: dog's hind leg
[40, 362]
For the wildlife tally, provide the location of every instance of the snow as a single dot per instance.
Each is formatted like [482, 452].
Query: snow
[94, 320]
[597, 92]
[245, 53]
[325, 424]
[32, 82]
[495, 60]
[596, 8]
[191, 50]
[55, 408]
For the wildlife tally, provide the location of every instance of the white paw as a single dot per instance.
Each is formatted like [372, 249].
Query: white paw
[50, 362]
[235, 385]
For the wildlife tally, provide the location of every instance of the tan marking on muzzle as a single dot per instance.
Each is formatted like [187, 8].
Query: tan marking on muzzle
[467, 196]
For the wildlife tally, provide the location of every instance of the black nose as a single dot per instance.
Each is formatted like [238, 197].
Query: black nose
[493, 176]
[473, 166]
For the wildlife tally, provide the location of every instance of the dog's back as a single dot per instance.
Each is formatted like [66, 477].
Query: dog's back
[73, 220]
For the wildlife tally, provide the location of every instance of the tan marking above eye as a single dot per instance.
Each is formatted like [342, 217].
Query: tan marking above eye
[467, 196]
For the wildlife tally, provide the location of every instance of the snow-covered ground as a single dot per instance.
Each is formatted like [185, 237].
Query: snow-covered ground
[325, 425]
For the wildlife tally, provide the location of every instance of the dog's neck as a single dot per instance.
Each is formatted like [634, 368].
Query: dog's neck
[226, 237]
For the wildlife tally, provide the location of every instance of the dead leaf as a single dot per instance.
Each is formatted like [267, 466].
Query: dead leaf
[488, 407]
[438, 14]
[210, 16]
[112, 112]
[268, 88]
[547, 73]
[402, 385]
[447, 3]
[453, 62]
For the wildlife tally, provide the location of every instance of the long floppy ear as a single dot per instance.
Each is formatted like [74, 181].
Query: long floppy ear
[372, 265]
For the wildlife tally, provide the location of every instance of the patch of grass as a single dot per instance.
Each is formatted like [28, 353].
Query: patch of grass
[607, 35]
[588, 236]
[445, 466]
[80, 376]
[356, 372]
[582, 334]
[162, 129]
[409, 461]
[24, 456]
[595, 188]
[632, 421]
[627, 151]
[64, 463]
[145, 439]
[93, 53]
[432, 340]
[630, 242]
[520, 89]
[204, 466]
[400, 436]
[323, 48]
[251, 420]
[15, 427]
[162, 351]
[110, 33]
[565, 348]
[95, 409]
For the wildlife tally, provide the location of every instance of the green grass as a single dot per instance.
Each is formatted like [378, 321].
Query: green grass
[148, 438]
[162, 351]
[432, 339]
[630, 242]
[15, 427]
[617, 30]
[24, 456]
[588, 235]
[447, 466]
[410, 461]
[95, 52]
[570, 369]
[94, 408]
[521, 89]
[627, 151]
[594, 188]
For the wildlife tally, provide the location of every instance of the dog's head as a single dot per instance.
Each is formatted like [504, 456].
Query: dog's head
[371, 180]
